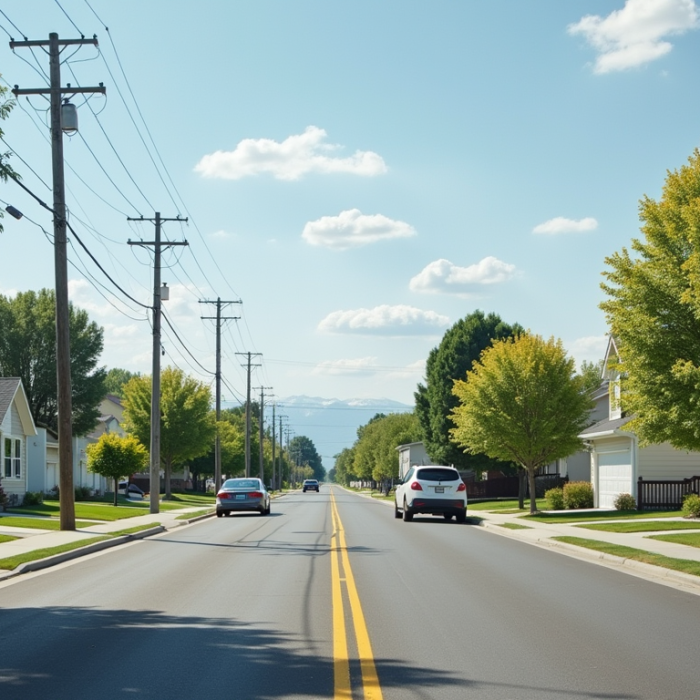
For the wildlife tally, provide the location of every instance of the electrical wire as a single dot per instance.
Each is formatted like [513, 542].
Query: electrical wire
[82, 36]
[167, 320]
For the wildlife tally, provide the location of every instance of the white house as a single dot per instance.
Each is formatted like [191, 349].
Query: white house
[16, 427]
[410, 455]
[616, 459]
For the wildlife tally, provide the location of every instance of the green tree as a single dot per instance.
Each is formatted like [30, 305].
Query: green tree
[116, 378]
[6, 105]
[28, 350]
[303, 453]
[522, 402]
[375, 455]
[187, 426]
[460, 347]
[114, 457]
[344, 465]
[653, 311]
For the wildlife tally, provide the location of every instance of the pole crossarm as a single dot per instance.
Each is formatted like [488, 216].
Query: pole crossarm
[17, 91]
[28, 43]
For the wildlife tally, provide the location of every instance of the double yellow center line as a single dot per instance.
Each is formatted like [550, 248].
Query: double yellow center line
[341, 662]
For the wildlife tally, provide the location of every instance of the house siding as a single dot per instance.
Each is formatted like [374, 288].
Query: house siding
[660, 462]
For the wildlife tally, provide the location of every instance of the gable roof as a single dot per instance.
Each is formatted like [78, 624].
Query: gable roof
[11, 388]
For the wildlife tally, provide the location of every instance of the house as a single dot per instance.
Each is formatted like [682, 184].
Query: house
[16, 427]
[616, 460]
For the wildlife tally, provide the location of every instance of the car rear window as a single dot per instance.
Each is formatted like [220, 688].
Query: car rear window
[242, 484]
[437, 474]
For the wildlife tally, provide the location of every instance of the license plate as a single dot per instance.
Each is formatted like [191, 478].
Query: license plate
[240, 496]
[439, 489]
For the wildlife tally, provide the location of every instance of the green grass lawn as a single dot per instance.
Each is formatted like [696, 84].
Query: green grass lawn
[685, 565]
[653, 526]
[37, 523]
[7, 538]
[574, 516]
[692, 540]
[88, 510]
[500, 505]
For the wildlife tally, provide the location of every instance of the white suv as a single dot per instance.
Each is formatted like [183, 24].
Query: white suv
[431, 489]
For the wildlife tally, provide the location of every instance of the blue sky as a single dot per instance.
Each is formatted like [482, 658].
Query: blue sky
[360, 174]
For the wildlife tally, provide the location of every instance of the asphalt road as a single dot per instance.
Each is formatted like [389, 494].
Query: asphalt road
[329, 599]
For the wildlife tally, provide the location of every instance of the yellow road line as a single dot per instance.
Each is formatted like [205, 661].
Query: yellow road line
[341, 666]
[370, 679]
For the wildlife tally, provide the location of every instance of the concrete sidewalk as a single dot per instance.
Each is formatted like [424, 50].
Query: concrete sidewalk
[34, 539]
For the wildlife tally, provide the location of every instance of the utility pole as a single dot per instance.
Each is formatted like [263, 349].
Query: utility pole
[63, 377]
[274, 433]
[247, 410]
[279, 468]
[218, 318]
[158, 247]
[261, 431]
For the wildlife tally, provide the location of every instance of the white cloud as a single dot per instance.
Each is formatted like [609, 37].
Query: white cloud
[590, 348]
[221, 235]
[443, 276]
[362, 365]
[352, 228]
[562, 225]
[291, 159]
[633, 35]
[400, 320]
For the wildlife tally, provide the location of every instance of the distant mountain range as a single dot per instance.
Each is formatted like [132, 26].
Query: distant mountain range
[331, 423]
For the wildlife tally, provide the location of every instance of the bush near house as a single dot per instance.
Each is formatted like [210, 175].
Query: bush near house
[578, 494]
[625, 501]
[33, 498]
[691, 505]
[554, 498]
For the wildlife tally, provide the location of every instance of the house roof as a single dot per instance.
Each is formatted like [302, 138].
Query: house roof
[605, 427]
[11, 388]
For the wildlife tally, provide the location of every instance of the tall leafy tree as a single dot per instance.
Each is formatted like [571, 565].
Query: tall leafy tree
[187, 426]
[653, 310]
[28, 350]
[303, 453]
[344, 465]
[116, 378]
[114, 457]
[460, 347]
[522, 402]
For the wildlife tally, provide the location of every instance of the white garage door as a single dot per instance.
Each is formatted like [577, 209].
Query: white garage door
[614, 477]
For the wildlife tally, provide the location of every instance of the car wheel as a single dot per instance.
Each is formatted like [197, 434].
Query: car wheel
[397, 512]
[407, 515]
[218, 513]
[462, 516]
[447, 516]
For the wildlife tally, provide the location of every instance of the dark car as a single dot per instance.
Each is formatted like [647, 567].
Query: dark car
[241, 495]
[310, 485]
[131, 489]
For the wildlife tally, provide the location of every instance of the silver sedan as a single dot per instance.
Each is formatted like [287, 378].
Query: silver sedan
[242, 495]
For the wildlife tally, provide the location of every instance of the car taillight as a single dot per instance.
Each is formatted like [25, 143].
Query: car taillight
[222, 494]
[462, 487]
[415, 486]
[255, 494]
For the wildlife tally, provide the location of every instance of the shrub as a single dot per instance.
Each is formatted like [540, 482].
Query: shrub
[555, 498]
[3, 495]
[578, 494]
[625, 501]
[53, 494]
[691, 505]
[82, 493]
[33, 498]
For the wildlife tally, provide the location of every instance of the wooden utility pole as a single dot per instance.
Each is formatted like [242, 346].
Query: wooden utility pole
[218, 318]
[158, 246]
[261, 431]
[247, 409]
[63, 377]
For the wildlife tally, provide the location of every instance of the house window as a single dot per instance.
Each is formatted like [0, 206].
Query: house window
[615, 403]
[13, 463]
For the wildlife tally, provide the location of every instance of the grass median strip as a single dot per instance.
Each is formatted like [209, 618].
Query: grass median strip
[11, 563]
[7, 538]
[573, 516]
[514, 526]
[195, 514]
[691, 540]
[686, 566]
[646, 526]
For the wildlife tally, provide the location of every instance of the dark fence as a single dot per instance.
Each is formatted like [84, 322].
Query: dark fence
[665, 495]
[507, 486]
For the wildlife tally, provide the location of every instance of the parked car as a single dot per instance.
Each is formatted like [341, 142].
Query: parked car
[131, 489]
[311, 485]
[242, 495]
[435, 490]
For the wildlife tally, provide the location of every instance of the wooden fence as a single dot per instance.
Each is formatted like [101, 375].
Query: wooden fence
[665, 495]
[507, 486]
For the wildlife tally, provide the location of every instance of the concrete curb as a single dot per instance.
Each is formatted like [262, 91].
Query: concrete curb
[55, 559]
